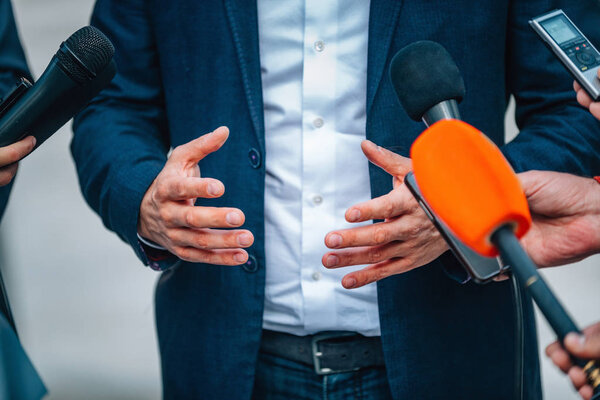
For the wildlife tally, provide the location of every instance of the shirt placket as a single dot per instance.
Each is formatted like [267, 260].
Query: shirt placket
[318, 157]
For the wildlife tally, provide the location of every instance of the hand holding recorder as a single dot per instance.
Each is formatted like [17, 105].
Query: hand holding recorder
[585, 100]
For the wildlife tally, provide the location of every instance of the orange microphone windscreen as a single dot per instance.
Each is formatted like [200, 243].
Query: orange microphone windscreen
[469, 184]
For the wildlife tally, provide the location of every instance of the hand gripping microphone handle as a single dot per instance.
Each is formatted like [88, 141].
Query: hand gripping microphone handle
[470, 185]
[44, 109]
[80, 69]
[528, 276]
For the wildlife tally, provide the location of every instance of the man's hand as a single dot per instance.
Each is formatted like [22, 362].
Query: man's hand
[586, 347]
[585, 100]
[404, 241]
[566, 217]
[9, 157]
[169, 217]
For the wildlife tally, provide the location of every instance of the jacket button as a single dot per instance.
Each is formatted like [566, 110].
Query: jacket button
[254, 158]
[251, 265]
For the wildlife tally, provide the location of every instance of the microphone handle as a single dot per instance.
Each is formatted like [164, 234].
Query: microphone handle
[447, 109]
[50, 103]
[526, 272]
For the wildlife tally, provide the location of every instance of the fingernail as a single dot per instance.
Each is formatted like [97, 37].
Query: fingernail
[331, 261]
[354, 215]
[239, 257]
[33, 141]
[213, 189]
[574, 340]
[349, 283]
[233, 218]
[245, 239]
[334, 240]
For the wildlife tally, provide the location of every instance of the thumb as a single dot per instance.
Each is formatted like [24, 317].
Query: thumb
[197, 149]
[392, 163]
[585, 347]
[529, 182]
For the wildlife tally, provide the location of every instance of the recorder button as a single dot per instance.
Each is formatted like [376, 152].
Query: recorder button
[585, 58]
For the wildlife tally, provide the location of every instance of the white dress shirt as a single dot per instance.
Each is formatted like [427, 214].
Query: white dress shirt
[314, 78]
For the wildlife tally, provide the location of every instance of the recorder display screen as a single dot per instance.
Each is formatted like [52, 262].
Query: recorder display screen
[560, 29]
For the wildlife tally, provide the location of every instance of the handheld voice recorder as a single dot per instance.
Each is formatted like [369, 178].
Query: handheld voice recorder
[571, 47]
[481, 269]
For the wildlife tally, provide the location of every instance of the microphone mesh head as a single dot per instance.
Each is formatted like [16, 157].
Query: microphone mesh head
[92, 48]
[424, 74]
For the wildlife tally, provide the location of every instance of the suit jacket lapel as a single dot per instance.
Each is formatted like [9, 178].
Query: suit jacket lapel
[243, 20]
[382, 24]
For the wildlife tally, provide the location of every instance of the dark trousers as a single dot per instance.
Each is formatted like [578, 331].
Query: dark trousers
[280, 379]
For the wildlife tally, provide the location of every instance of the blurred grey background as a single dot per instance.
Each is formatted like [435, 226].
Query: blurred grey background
[84, 304]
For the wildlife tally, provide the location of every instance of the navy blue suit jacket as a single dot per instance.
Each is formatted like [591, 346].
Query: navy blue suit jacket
[189, 66]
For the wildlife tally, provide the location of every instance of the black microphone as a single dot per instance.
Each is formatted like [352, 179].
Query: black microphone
[428, 82]
[81, 68]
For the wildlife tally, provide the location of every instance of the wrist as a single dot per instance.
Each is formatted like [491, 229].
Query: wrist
[150, 243]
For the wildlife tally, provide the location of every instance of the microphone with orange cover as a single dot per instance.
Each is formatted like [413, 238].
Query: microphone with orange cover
[471, 186]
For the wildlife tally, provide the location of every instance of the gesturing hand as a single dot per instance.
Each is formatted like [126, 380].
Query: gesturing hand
[169, 217]
[404, 241]
[566, 217]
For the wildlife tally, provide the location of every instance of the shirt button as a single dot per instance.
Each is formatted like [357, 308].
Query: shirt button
[317, 199]
[251, 265]
[316, 276]
[319, 46]
[254, 158]
[318, 122]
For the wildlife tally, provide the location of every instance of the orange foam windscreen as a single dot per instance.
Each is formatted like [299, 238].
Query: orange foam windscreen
[469, 184]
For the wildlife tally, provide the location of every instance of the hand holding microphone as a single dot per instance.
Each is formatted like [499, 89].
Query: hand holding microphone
[10, 156]
[471, 186]
[566, 217]
[585, 346]
[80, 69]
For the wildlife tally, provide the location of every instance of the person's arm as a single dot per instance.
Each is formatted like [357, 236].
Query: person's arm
[12, 67]
[586, 347]
[120, 148]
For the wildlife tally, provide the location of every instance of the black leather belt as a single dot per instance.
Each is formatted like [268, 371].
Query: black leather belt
[327, 352]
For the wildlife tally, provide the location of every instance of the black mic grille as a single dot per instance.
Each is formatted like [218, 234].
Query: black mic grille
[424, 75]
[85, 53]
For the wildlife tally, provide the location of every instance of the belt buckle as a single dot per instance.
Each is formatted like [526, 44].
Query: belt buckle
[317, 354]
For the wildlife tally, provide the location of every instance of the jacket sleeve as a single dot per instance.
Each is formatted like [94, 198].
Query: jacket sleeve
[12, 67]
[555, 132]
[120, 141]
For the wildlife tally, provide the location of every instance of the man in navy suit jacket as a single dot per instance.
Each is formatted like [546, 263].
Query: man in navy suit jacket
[186, 67]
